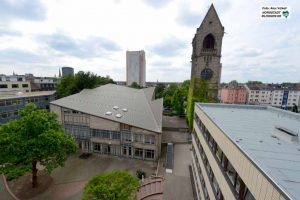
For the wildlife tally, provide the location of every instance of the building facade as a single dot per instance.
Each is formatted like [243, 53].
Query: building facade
[113, 120]
[277, 96]
[13, 84]
[245, 152]
[67, 71]
[43, 83]
[136, 67]
[234, 94]
[11, 104]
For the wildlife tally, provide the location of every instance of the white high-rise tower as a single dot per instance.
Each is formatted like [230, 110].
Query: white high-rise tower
[136, 67]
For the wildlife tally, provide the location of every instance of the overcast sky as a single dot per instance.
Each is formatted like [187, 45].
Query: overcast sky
[39, 36]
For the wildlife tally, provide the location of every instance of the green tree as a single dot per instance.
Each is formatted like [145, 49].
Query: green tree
[233, 82]
[115, 185]
[135, 85]
[178, 100]
[36, 137]
[180, 97]
[168, 94]
[159, 89]
[64, 87]
[186, 85]
[254, 82]
[82, 80]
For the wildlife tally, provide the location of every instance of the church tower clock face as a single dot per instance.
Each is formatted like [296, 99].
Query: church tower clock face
[206, 74]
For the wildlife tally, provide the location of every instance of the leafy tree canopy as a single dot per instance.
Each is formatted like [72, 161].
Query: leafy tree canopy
[233, 82]
[159, 89]
[180, 97]
[82, 80]
[115, 185]
[36, 137]
[254, 82]
[168, 94]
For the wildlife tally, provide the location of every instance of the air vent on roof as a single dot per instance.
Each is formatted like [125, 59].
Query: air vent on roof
[285, 134]
[108, 113]
[118, 115]
[116, 107]
[124, 109]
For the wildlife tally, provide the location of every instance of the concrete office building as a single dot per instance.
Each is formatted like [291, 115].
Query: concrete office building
[13, 83]
[136, 67]
[245, 152]
[11, 103]
[67, 71]
[42, 83]
[114, 120]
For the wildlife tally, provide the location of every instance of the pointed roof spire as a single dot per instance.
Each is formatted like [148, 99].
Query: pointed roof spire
[211, 15]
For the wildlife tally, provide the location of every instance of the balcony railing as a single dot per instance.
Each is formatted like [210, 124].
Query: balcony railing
[209, 51]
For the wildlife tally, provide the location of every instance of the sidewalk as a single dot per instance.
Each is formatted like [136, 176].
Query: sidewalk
[3, 192]
[178, 184]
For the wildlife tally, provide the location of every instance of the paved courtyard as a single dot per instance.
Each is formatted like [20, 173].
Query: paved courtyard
[3, 192]
[68, 182]
[174, 122]
[178, 185]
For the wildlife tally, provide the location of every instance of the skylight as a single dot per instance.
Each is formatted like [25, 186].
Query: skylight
[118, 115]
[108, 113]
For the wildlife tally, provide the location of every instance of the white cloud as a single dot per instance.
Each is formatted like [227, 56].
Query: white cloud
[97, 33]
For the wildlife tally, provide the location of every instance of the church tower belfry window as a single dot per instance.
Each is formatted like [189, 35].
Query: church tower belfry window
[209, 42]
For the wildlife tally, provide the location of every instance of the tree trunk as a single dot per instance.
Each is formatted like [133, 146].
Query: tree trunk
[34, 174]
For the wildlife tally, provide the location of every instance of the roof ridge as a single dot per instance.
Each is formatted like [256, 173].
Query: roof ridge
[152, 114]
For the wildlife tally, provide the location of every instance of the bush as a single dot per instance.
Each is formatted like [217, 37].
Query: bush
[115, 185]
[140, 174]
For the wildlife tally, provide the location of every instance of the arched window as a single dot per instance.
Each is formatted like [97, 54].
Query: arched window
[209, 42]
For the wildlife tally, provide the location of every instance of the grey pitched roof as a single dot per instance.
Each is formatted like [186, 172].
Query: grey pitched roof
[143, 111]
[250, 129]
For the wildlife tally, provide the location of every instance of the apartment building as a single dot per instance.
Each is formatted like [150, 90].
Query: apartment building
[285, 97]
[234, 94]
[274, 95]
[245, 152]
[10, 104]
[114, 120]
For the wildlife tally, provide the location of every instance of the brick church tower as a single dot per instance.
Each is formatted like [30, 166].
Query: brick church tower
[206, 61]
